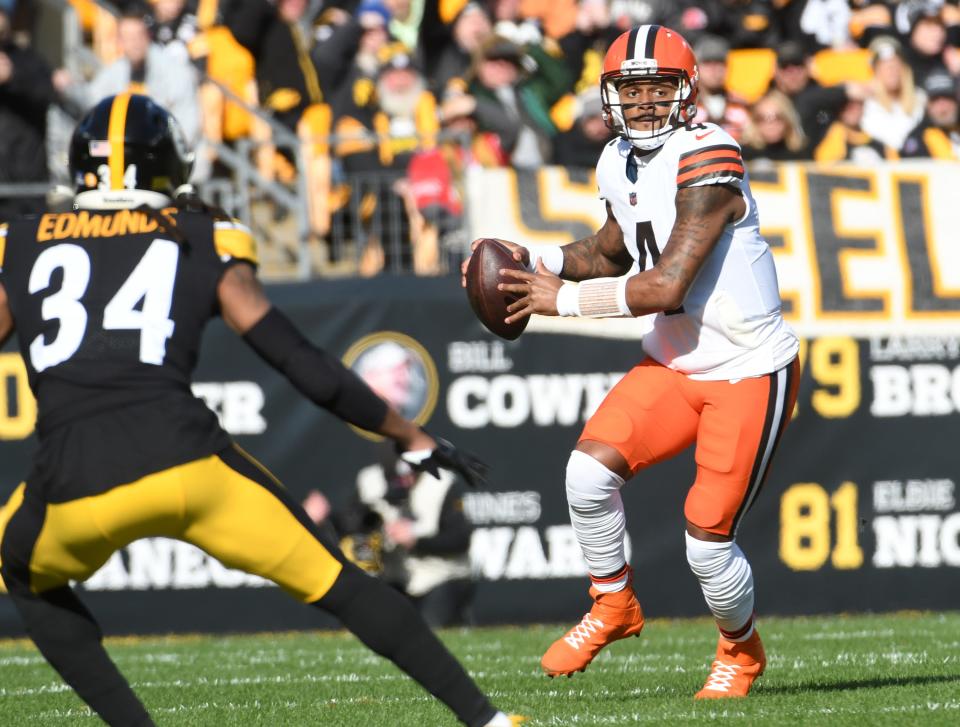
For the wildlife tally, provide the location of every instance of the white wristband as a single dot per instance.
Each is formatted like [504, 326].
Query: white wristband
[603, 298]
[552, 256]
[622, 297]
[597, 298]
[568, 300]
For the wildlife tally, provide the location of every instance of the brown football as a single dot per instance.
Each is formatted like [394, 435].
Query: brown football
[483, 275]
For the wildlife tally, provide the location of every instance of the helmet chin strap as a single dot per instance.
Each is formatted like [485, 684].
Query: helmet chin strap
[647, 140]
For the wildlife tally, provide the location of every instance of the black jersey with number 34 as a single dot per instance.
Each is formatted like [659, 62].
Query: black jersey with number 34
[109, 311]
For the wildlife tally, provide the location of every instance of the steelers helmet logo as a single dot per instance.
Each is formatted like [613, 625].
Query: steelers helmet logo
[399, 370]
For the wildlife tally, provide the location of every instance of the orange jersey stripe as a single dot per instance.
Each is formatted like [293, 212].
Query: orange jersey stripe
[710, 169]
[705, 155]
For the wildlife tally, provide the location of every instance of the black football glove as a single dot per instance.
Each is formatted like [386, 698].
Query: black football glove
[446, 456]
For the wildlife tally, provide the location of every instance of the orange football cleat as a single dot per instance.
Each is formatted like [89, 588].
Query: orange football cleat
[613, 616]
[736, 667]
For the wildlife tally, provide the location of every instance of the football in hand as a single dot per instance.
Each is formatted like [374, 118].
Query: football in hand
[483, 275]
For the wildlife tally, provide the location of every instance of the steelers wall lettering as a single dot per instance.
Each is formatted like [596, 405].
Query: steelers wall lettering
[859, 512]
[486, 392]
[859, 251]
[915, 377]
[877, 511]
[238, 404]
[512, 539]
[509, 543]
[18, 408]
[164, 564]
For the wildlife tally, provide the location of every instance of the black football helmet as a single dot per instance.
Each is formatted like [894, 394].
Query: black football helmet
[129, 142]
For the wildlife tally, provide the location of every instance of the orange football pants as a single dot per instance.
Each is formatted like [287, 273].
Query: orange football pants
[654, 413]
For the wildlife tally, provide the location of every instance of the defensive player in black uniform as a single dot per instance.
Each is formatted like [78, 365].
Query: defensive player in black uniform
[109, 302]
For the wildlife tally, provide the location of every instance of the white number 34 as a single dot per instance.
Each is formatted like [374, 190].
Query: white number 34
[151, 283]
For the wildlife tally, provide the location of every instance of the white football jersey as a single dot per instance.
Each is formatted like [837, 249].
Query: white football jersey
[730, 325]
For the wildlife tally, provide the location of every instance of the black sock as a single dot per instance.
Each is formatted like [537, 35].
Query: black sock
[67, 635]
[387, 623]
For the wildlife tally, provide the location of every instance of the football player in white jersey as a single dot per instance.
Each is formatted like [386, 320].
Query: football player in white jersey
[681, 245]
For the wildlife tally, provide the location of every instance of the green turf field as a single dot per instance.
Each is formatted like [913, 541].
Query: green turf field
[902, 669]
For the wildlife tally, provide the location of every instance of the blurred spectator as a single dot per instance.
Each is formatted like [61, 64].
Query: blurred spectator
[399, 113]
[435, 206]
[423, 519]
[580, 147]
[471, 28]
[817, 105]
[349, 50]
[846, 140]
[621, 15]
[510, 23]
[405, 19]
[383, 133]
[582, 50]
[938, 135]
[22, 17]
[774, 133]
[694, 21]
[556, 18]
[279, 37]
[173, 26]
[950, 12]
[409, 529]
[895, 105]
[26, 92]
[225, 68]
[144, 67]
[927, 43]
[584, 47]
[816, 24]
[906, 13]
[868, 20]
[714, 102]
[461, 135]
[744, 23]
[513, 92]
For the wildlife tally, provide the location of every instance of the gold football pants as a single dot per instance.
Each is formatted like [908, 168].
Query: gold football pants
[228, 505]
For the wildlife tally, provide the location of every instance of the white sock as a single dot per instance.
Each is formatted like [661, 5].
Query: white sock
[499, 720]
[727, 583]
[596, 513]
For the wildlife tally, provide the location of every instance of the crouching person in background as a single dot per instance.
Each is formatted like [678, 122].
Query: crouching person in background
[410, 529]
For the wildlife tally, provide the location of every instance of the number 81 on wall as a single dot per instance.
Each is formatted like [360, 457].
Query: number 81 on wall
[806, 541]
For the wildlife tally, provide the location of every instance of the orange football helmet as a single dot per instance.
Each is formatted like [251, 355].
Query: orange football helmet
[653, 52]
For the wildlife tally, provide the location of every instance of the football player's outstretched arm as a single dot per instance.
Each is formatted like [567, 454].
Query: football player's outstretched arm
[702, 214]
[323, 379]
[602, 255]
[315, 373]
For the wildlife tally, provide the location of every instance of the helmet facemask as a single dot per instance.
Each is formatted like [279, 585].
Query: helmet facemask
[646, 70]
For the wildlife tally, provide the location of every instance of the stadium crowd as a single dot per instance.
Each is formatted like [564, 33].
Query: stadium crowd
[415, 91]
